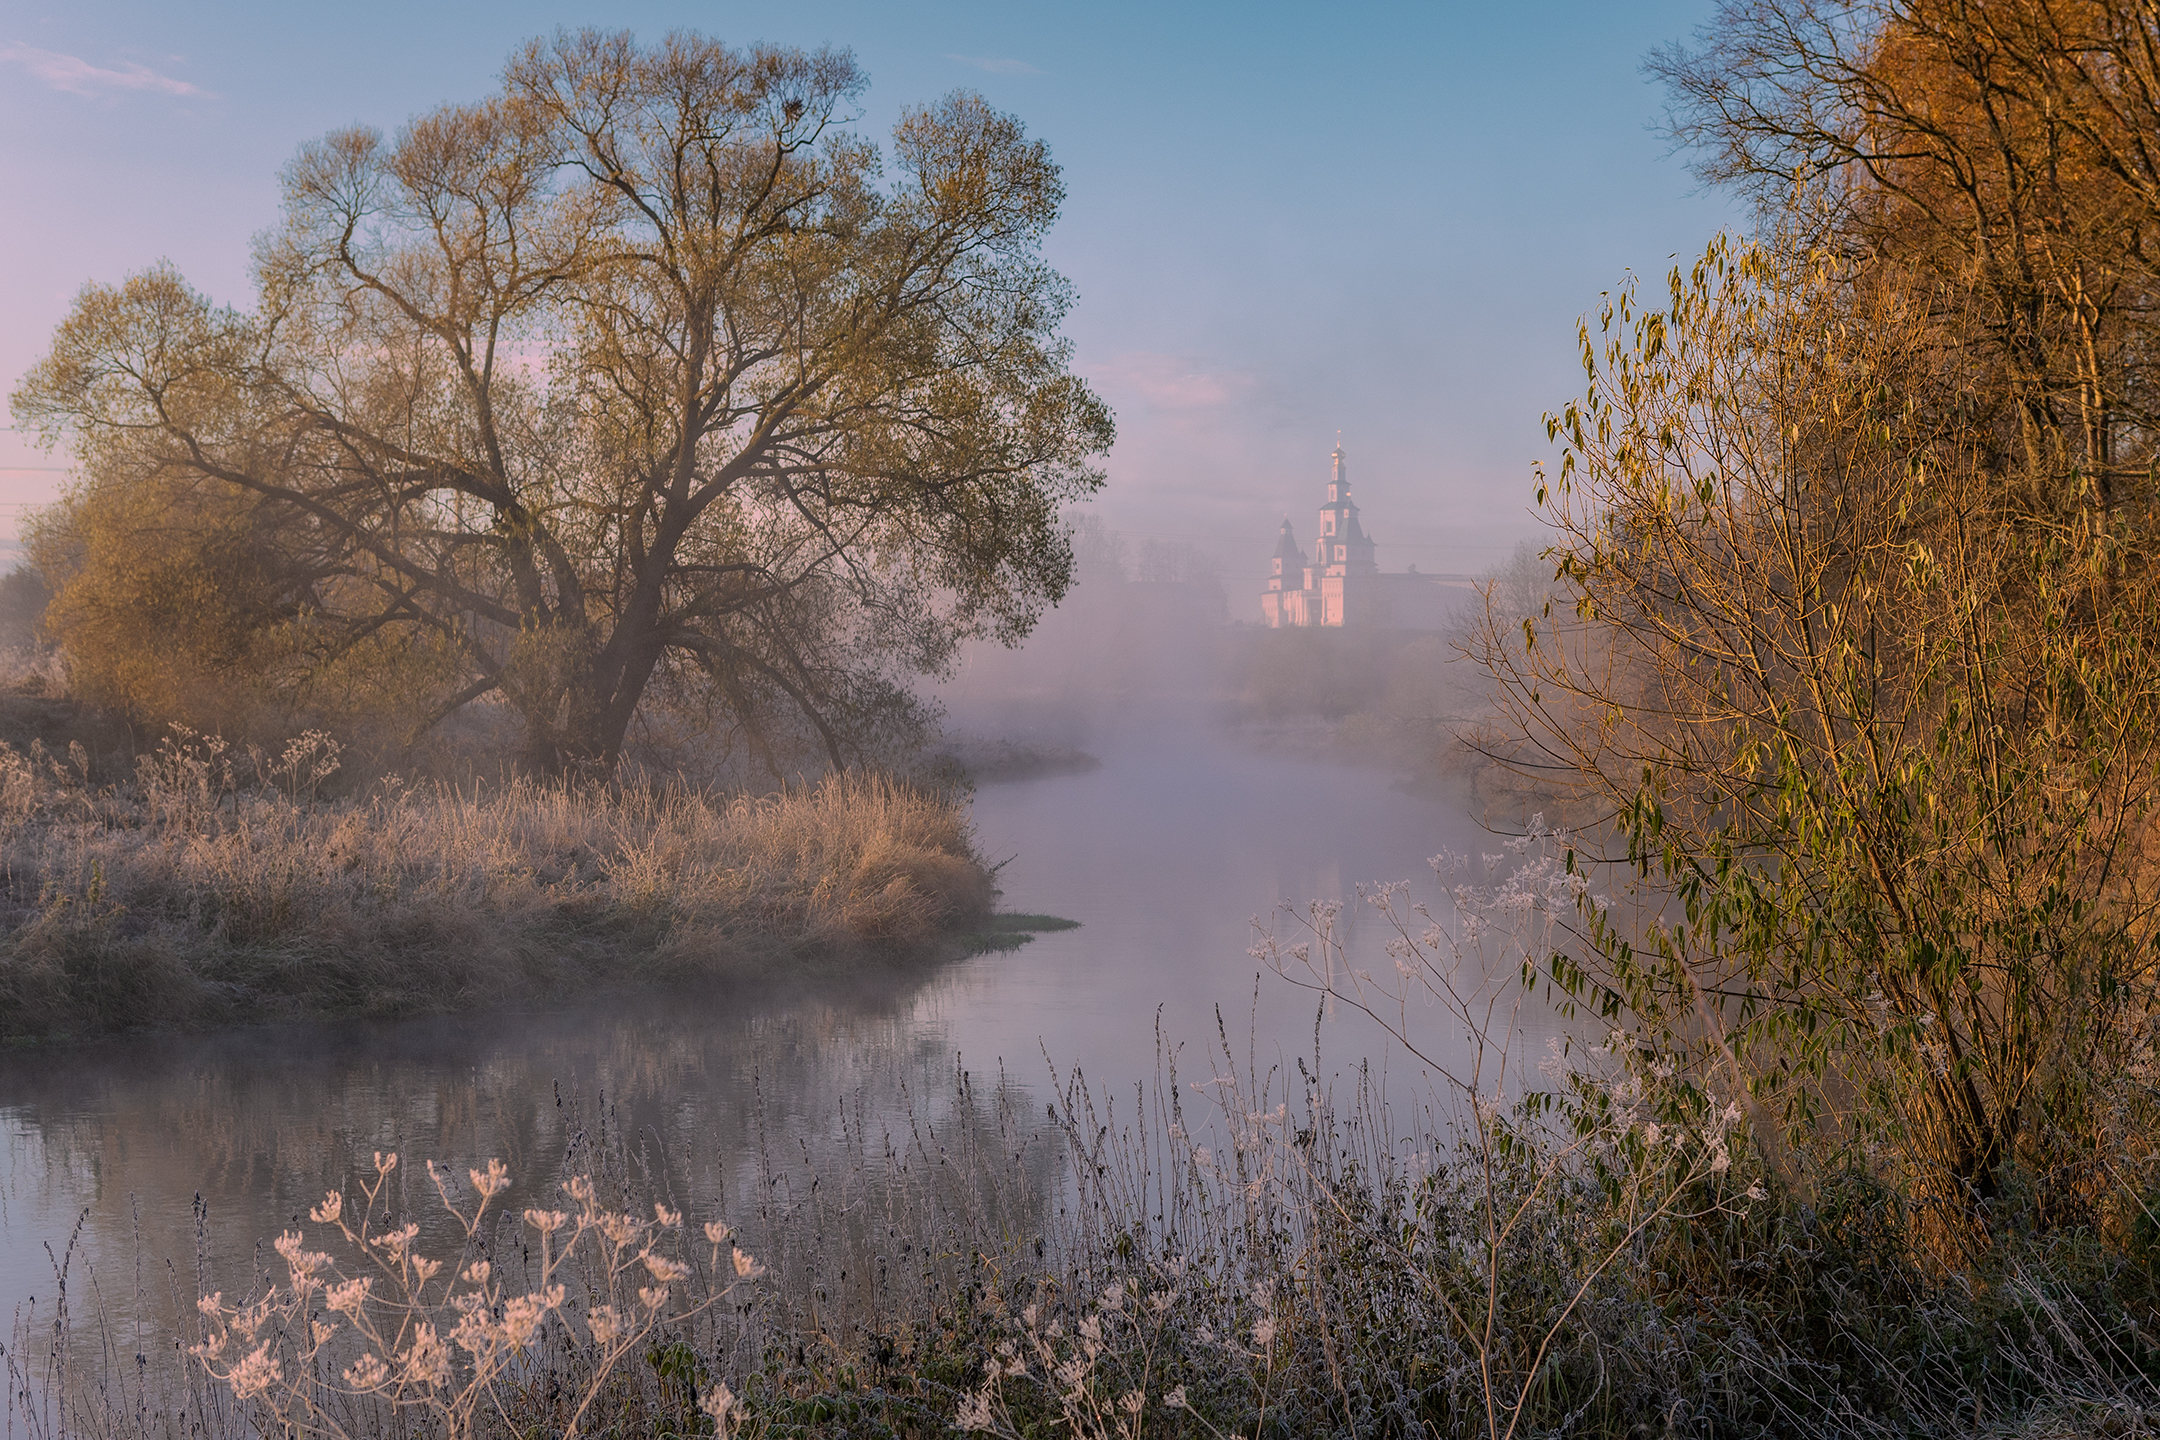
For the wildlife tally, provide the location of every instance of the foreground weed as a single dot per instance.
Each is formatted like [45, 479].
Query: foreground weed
[446, 1343]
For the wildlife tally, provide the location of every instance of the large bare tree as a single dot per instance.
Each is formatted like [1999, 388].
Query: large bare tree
[644, 376]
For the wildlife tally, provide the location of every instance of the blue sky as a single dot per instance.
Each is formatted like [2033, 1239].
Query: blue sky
[1282, 221]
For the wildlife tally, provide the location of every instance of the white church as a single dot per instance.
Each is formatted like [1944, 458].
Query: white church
[1341, 584]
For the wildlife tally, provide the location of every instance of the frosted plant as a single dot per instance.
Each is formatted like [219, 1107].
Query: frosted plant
[1625, 1124]
[1101, 1376]
[442, 1343]
[309, 758]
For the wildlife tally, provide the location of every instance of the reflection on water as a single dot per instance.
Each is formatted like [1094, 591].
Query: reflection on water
[735, 1099]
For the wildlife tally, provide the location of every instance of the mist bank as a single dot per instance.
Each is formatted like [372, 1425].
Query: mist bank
[216, 887]
[1152, 646]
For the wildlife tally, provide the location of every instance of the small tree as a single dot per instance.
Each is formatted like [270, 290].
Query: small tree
[636, 379]
[1879, 760]
[183, 600]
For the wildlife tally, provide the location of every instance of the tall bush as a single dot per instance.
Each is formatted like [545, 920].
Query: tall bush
[1874, 743]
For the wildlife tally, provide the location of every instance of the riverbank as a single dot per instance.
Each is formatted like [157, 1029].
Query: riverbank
[221, 888]
[1304, 1269]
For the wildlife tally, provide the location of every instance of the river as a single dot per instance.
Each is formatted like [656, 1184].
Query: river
[182, 1151]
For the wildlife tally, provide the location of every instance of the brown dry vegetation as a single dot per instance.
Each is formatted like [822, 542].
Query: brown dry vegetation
[1852, 653]
[216, 887]
[1258, 1254]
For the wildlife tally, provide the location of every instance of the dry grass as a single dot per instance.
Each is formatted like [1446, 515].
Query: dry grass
[217, 886]
[1278, 1261]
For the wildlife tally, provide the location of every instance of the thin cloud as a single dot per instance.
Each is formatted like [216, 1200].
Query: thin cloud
[996, 64]
[1173, 382]
[79, 77]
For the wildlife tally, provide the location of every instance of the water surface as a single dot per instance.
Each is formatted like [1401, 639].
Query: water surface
[1166, 856]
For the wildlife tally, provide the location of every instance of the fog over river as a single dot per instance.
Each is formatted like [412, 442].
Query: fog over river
[1165, 855]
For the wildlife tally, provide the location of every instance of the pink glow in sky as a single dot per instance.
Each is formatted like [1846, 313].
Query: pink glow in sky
[1283, 221]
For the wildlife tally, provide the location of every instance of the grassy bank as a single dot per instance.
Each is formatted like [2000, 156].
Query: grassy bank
[216, 887]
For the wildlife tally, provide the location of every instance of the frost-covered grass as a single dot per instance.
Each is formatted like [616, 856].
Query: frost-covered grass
[217, 886]
[1322, 1265]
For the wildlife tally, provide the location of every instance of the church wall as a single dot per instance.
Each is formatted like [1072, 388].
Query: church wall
[1334, 597]
[1341, 585]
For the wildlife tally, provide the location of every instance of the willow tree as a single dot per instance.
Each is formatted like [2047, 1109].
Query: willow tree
[644, 376]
